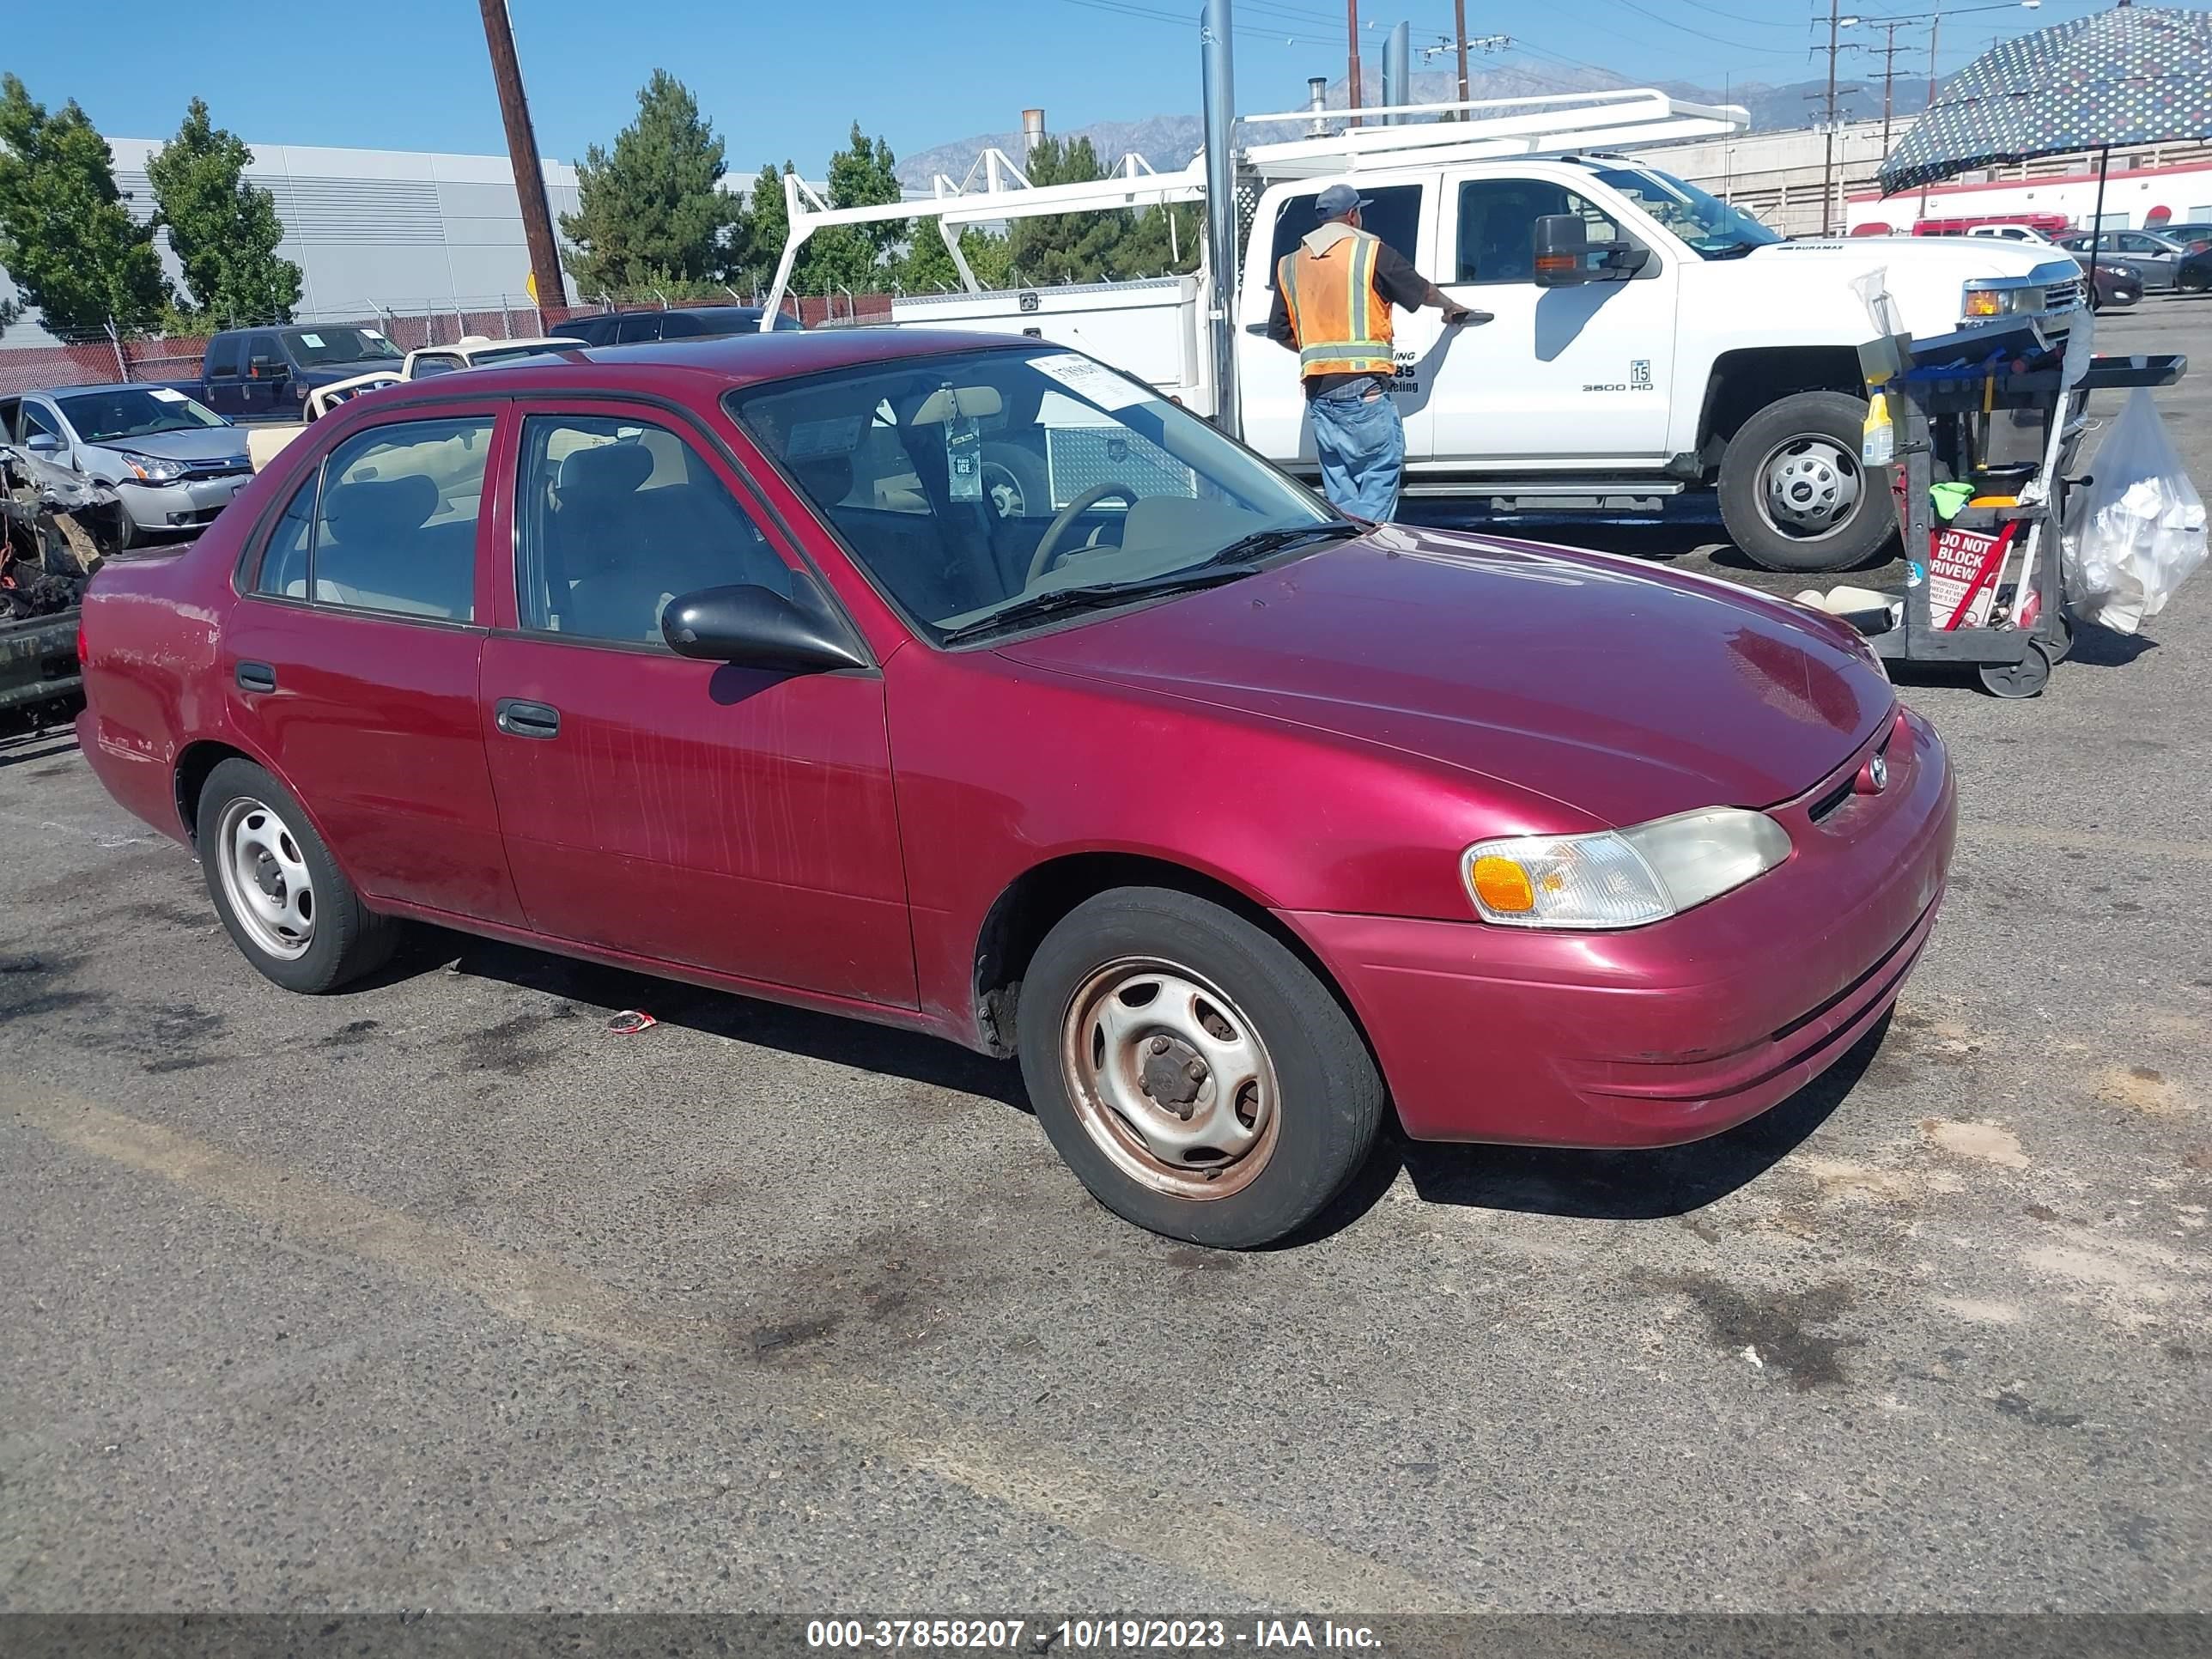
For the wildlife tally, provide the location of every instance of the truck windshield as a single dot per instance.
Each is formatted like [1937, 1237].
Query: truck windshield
[326, 347]
[1709, 225]
[988, 490]
[102, 417]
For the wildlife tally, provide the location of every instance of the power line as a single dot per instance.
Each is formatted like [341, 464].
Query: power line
[1717, 40]
[1737, 17]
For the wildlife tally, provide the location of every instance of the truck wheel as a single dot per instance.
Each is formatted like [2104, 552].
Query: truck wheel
[287, 905]
[1016, 483]
[1793, 494]
[1194, 1074]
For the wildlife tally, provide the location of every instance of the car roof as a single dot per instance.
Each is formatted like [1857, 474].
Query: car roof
[728, 361]
[98, 385]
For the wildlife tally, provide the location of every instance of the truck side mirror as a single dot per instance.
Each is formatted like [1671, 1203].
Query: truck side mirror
[1562, 250]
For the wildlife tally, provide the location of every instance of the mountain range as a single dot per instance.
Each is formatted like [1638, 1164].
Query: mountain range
[1169, 142]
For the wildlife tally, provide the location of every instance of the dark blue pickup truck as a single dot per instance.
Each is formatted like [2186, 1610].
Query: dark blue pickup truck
[266, 373]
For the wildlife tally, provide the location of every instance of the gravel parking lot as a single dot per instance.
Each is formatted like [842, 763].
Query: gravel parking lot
[440, 1294]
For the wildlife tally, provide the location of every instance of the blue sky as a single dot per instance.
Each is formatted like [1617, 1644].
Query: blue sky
[787, 79]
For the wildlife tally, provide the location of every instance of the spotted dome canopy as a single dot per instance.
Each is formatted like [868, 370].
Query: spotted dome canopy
[2131, 76]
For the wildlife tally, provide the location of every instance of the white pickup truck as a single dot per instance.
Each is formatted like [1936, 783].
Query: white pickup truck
[1687, 347]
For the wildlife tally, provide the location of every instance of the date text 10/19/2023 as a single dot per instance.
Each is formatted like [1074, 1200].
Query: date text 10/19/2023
[996, 1636]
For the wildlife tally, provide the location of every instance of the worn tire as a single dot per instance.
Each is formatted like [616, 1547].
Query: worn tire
[1862, 535]
[346, 938]
[1329, 1102]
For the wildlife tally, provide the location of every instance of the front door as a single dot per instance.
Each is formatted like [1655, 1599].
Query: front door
[725, 818]
[268, 381]
[352, 662]
[1586, 368]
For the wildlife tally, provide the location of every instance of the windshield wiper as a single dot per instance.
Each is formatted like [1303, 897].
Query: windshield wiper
[1092, 595]
[1261, 543]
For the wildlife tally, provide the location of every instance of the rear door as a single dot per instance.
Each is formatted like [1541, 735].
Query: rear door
[730, 819]
[1581, 372]
[1268, 389]
[352, 662]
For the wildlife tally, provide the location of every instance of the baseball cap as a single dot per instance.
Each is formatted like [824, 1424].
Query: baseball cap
[1337, 200]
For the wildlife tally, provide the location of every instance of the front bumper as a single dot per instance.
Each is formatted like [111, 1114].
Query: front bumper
[1659, 1035]
[188, 504]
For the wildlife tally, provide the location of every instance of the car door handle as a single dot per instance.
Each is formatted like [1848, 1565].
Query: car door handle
[256, 677]
[518, 719]
[1255, 328]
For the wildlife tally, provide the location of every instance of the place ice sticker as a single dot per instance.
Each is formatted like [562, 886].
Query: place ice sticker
[168, 394]
[314, 340]
[1093, 381]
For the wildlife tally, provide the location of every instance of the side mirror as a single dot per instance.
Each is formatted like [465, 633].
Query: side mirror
[1563, 252]
[43, 443]
[756, 627]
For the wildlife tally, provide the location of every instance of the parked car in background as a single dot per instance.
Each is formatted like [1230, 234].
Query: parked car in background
[2194, 274]
[175, 463]
[677, 323]
[2011, 231]
[2154, 259]
[2006, 228]
[268, 373]
[2195, 235]
[681, 659]
[2116, 287]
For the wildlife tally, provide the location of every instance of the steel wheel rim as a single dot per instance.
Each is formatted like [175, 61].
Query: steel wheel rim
[1809, 486]
[1133, 1032]
[1004, 491]
[265, 878]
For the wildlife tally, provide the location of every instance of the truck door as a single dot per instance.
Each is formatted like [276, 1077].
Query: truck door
[1576, 374]
[223, 372]
[1267, 386]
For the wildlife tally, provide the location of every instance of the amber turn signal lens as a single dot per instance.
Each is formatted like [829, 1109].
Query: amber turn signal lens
[1504, 886]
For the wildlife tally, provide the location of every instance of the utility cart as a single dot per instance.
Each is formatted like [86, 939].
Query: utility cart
[2000, 409]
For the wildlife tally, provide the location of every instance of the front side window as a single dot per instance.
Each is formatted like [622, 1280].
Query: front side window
[616, 518]
[985, 489]
[1497, 225]
[637, 325]
[388, 523]
[37, 423]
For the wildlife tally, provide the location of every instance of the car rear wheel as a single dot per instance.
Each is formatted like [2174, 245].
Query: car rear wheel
[282, 896]
[1193, 1072]
[1792, 492]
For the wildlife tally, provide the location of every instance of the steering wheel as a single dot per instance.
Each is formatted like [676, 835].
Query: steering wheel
[1048, 547]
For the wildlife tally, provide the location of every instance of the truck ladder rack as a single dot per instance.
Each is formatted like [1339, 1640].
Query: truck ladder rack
[1491, 128]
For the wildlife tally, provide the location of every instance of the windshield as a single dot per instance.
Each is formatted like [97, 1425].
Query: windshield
[326, 347]
[982, 483]
[1709, 225]
[102, 417]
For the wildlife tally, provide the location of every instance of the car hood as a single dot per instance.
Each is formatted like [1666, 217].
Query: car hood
[1924, 275]
[1623, 692]
[205, 443]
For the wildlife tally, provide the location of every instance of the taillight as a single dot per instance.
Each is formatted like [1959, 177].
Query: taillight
[81, 656]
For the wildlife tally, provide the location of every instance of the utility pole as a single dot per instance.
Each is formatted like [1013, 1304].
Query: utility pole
[1459, 39]
[522, 151]
[1351, 73]
[1889, 50]
[1828, 146]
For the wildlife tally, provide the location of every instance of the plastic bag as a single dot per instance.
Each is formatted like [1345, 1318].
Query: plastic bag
[2139, 529]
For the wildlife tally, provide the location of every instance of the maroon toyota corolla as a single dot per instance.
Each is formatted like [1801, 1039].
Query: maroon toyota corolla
[966, 685]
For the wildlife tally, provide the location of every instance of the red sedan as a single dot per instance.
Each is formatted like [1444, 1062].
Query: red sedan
[966, 685]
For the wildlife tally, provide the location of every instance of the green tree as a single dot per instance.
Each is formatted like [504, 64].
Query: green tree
[926, 268]
[65, 235]
[652, 208]
[769, 224]
[857, 257]
[1065, 247]
[223, 230]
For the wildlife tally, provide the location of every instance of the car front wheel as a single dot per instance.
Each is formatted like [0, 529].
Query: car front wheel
[282, 896]
[1792, 492]
[1194, 1073]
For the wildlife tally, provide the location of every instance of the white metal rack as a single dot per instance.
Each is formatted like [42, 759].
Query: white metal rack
[1481, 130]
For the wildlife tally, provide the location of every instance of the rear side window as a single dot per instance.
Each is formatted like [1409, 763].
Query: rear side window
[639, 325]
[1497, 225]
[388, 524]
[223, 356]
[1393, 213]
[676, 325]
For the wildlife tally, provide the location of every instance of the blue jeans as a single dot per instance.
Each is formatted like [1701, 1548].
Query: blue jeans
[1362, 445]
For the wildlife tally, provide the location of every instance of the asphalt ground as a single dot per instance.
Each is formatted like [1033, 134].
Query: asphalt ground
[440, 1295]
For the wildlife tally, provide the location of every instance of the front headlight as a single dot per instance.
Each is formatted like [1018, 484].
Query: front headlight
[151, 468]
[1621, 877]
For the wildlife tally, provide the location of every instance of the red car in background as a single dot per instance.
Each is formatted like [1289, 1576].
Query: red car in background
[964, 685]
